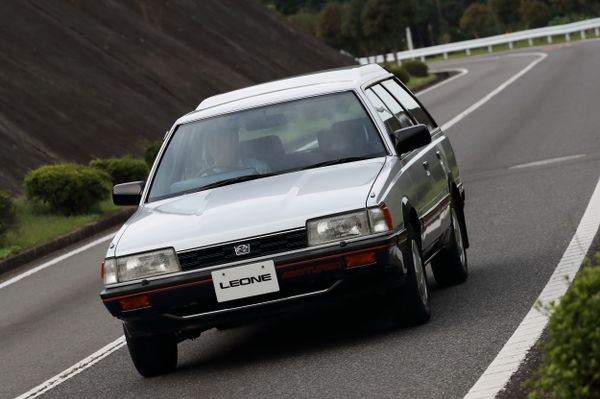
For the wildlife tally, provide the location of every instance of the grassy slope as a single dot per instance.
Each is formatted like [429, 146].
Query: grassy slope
[416, 82]
[35, 226]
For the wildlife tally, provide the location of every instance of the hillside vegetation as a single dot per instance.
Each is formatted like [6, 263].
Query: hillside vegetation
[368, 27]
[81, 80]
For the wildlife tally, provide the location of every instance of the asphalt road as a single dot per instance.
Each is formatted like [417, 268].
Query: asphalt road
[520, 221]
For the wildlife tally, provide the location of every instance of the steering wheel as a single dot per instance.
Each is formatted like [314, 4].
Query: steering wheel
[215, 170]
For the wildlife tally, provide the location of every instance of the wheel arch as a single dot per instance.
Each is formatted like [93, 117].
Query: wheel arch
[459, 200]
[411, 219]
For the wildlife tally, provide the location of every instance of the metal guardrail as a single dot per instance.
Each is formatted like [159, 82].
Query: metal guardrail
[509, 38]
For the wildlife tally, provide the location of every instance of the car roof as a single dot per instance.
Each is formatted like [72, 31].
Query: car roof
[347, 78]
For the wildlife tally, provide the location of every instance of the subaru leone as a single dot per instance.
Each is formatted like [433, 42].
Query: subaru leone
[296, 193]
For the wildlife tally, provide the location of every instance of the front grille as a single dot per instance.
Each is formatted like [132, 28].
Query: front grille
[259, 246]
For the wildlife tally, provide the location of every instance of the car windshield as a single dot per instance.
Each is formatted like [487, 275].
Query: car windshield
[280, 138]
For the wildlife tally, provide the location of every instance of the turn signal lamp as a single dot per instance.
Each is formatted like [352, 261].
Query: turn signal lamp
[365, 258]
[134, 302]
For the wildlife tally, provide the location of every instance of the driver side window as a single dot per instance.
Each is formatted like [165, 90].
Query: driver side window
[391, 123]
[408, 101]
[393, 105]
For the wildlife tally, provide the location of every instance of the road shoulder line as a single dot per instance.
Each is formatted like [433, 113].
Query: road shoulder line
[74, 369]
[510, 357]
[56, 260]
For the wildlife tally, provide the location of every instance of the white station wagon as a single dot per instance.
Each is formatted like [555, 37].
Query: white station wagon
[286, 195]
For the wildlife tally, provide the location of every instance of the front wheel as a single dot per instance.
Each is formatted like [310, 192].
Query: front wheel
[153, 355]
[412, 300]
[450, 265]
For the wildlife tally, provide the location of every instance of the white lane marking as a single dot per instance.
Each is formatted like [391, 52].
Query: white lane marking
[55, 261]
[461, 72]
[120, 342]
[547, 161]
[497, 90]
[527, 333]
[74, 369]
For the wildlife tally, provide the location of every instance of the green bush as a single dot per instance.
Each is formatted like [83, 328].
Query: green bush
[7, 212]
[416, 68]
[400, 73]
[570, 366]
[122, 170]
[151, 152]
[67, 188]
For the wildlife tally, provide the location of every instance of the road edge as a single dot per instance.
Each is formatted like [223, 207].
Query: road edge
[508, 360]
[14, 262]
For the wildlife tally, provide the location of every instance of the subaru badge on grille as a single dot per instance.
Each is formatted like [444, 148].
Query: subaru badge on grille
[242, 249]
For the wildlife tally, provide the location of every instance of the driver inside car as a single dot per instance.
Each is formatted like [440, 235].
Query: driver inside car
[223, 146]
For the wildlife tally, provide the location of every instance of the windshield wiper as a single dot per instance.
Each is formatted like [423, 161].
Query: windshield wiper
[234, 180]
[337, 161]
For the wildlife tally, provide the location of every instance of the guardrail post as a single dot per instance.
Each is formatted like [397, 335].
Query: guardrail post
[445, 56]
[549, 39]
[583, 35]
[597, 31]
[510, 45]
[422, 58]
[568, 37]
[490, 48]
[530, 42]
[468, 51]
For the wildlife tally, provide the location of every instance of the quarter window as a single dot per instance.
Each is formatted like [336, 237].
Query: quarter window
[409, 102]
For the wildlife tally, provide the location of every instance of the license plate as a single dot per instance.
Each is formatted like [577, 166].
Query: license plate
[245, 281]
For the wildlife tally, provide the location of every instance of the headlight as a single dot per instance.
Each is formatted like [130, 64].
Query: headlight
[134, 267]
[349, 225]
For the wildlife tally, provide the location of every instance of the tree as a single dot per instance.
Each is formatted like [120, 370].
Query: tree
[352, 26]
[478, 20]
[572, 7]
[385, 22]
[305, 21]
[428, 23]
[534, 13]
[506, 12]
[329, 28]
[289, 7]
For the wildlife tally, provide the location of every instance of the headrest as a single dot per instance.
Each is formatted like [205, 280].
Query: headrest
[345, 136]
[263, 148]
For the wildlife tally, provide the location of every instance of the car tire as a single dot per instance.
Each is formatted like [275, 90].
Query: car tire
[450, 266]
[154, 355]
[412, 299]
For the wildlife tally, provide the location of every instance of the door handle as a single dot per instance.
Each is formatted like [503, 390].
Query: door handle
[426, 165]
[438, 155]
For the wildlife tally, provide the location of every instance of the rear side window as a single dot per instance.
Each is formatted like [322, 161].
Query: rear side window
[410, 103]
[391, 123]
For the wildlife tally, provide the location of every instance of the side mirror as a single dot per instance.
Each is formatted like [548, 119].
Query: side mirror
[128, 193]
[411, 138]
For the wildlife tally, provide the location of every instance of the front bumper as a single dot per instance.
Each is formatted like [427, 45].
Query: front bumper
[187, 304]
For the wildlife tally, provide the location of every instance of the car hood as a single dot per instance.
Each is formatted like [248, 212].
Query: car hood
[247, 209]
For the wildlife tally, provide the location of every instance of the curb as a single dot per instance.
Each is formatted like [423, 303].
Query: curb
[439, 76]
[16, 261]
